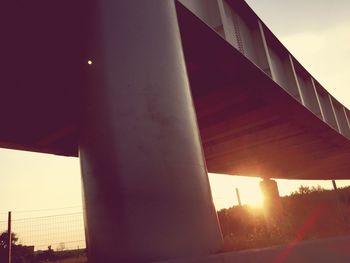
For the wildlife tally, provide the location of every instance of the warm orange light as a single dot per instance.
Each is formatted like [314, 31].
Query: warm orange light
[224, 195]
[89, 62]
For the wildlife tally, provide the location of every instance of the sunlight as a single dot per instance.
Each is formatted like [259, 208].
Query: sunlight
[256, 204]
[224, 195]
[249, 190]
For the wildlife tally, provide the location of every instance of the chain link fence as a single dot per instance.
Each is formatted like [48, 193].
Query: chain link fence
[44, 235]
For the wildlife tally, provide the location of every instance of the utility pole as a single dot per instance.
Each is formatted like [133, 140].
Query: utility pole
[238, 197]
[9, 241]
[334, 185]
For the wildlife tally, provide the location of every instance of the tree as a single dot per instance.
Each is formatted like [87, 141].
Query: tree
[305, 190]
[4, 239]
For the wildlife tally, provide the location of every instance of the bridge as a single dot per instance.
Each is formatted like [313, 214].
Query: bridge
[153, 95]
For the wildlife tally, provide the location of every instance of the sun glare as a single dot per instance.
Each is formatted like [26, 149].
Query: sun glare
[255, 203]
[224, 194]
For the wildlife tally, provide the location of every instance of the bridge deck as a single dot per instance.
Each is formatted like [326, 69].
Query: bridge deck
[249, 125]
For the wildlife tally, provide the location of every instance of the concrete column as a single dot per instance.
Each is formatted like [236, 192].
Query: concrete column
[146, 190]
[272, 200]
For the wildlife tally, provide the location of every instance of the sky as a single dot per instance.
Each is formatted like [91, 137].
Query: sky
[317, 33]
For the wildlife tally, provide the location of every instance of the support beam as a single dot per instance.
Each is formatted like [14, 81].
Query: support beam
[9, 238]
[272, 201]
[146, 190]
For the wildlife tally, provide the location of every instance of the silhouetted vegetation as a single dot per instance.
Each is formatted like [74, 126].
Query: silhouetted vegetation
[4, 238]
[62, 256]
[309, 213]
[26, 254]
[20, 254]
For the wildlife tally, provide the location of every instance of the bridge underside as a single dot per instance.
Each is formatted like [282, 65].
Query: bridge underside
[248, 124]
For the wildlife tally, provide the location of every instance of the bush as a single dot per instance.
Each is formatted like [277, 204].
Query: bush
[309, 213]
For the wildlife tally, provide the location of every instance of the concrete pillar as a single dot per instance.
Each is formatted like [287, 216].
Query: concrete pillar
[146, 190]
[272, 200]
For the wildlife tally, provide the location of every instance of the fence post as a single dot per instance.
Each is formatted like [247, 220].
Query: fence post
[9, 241]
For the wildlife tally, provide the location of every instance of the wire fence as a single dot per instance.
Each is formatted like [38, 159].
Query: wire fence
[56, 229]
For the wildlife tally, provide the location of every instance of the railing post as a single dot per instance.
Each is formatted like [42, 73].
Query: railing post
[9, 241]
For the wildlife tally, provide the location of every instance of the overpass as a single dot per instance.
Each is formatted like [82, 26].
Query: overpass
[173, 89]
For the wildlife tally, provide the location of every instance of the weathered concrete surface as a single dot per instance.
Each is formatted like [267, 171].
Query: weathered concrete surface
[335, 250]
